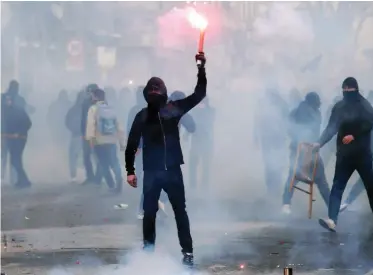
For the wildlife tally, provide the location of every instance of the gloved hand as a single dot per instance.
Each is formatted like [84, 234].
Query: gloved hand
[201, 60]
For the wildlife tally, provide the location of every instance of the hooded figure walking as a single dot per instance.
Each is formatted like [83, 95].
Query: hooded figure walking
[158, 125]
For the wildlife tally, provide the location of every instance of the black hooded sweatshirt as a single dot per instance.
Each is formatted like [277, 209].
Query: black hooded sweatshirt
[14, 121]
[160, 128]
[353, 115]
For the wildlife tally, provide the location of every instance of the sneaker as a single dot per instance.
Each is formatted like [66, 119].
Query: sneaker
[286, 209]
[140, 216]
[328, 224]
[343, 207]
[188, 259]
[121, 206]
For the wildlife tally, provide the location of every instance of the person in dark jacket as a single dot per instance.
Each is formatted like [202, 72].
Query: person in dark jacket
[91, 177]
[352, 120]
[304, 126]
[162, 156]
[72, 123]
[15, 124]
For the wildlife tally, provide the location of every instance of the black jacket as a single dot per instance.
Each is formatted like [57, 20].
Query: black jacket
[304, 124]
[160, 131]
[14, 120]
[350, 116]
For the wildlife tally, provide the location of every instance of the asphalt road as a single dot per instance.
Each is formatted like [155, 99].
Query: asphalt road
[65, 229]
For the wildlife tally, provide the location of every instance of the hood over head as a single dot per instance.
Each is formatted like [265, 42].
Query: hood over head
[313, 99]
[13, 88]
[155, 92]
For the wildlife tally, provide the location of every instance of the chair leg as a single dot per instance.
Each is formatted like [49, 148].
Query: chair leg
[310, 202]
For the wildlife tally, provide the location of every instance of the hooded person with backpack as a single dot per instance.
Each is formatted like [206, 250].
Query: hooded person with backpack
[104, 132]
[162, 156]
[91, 176]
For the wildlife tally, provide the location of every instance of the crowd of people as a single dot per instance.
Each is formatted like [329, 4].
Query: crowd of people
[153, 154]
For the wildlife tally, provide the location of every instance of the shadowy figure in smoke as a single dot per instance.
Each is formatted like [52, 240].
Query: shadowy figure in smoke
[304, 126]
[56, 118]
[91, 176]
[202, 144]
[12, 93]
[358, 187]
[271, 138]
[15, 124]
[72, 123]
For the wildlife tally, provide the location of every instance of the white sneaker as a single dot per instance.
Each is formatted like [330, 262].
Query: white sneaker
[343, 207]
[140, 216]
[121, 206]
[328, 224]
[286, 209]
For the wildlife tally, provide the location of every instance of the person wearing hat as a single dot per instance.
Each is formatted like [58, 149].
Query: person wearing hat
[304, 126]
[352, 120]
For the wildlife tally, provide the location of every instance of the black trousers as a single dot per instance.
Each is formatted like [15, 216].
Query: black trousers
[344, 167]
[171, 181]
[16, 147]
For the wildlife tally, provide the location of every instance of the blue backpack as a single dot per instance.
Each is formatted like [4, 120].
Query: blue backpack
[106, 120]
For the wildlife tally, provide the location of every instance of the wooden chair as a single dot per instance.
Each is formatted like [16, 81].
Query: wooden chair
[304, 170]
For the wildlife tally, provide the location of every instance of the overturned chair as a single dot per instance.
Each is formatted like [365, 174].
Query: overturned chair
[304, 170]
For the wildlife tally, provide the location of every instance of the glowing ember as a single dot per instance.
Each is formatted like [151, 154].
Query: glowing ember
[242, 266]
[196, 20]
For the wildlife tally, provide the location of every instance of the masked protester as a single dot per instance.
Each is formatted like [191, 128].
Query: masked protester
[352, 120]
[158, 126]
[15, 124]
[358, 187]
[103, 133]
[91, 177]
[304, 126]
[72, 123]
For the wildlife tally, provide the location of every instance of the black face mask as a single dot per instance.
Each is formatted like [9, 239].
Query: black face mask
[156, 101]
[352, 95]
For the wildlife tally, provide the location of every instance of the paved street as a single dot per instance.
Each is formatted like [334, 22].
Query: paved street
[65, 230]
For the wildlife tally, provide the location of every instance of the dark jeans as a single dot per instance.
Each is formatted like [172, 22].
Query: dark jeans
[108, 160]
[16, 147]
[87, 154]
[171, 181]
[320, 180]
[344, 168]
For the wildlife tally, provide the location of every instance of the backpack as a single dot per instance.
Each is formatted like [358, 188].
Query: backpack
[106, 120]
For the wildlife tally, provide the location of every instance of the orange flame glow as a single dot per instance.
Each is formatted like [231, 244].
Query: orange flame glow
[196, 20]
